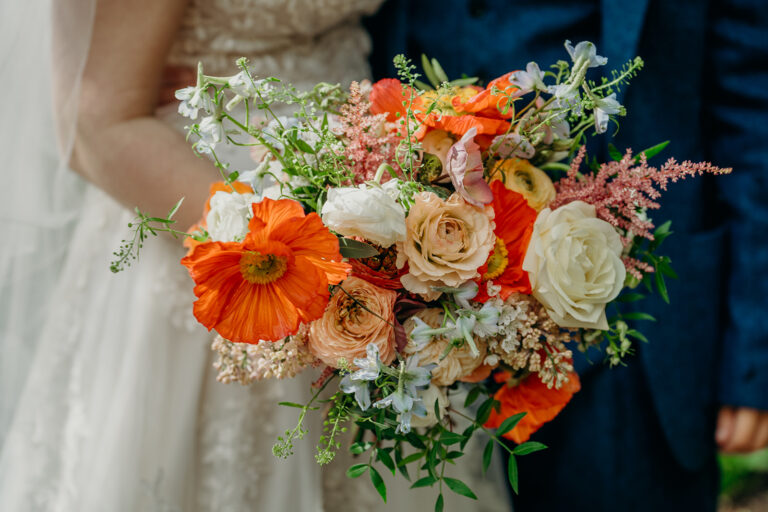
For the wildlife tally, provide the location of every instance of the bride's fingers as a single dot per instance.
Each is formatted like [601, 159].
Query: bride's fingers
[761, 438]
[725, 424]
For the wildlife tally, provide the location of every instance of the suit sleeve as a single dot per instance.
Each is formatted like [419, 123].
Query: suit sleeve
[737, 110]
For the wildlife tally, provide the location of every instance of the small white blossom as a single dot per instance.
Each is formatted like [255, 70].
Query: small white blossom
[487, 320]
[532, 79]
[585, 51]
[604, 108]
[192, 100]
[227, 220]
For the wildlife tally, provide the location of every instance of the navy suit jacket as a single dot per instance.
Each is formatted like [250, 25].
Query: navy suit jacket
[705, 88]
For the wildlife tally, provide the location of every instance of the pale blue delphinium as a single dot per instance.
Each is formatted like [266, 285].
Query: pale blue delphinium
[423, 333]
[487, 322]
[532, 79]
[462, 330]
[356, 382]
[405, 399]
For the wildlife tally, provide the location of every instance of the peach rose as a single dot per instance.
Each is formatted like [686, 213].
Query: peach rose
[446, 242]
[459, 362]
[359, 314]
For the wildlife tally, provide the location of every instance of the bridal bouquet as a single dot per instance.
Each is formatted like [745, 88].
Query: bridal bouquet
[436, 249]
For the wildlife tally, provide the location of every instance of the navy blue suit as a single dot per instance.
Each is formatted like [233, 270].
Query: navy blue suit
[642, 437]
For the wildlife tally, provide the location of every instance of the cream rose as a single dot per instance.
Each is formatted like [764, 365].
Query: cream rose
[365, 211]
[457, 364]
[574, 264]
[446, 242]
[359, 314]
[227, 221]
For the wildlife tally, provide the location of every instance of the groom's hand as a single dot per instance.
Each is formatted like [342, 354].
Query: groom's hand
[741, 429]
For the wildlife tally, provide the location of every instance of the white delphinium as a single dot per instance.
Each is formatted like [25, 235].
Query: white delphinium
[357, 381]
[429, 397]
[192, 99]
[604, 108]
[532, 79]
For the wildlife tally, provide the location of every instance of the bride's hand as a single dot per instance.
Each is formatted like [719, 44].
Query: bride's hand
[741, 430]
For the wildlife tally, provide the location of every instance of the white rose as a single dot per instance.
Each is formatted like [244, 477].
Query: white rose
[367, 212]
[227, 221]
[574, 264]
[428, 397]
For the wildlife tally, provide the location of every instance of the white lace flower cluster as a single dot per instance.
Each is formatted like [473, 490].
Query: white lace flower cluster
[247, 363]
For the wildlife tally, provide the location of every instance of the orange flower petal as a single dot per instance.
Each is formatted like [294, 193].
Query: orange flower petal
[387, 98]
[459, 125]
[534, 398]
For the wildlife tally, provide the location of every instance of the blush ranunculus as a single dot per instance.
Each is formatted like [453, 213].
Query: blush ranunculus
[531, 396]
[359, 313]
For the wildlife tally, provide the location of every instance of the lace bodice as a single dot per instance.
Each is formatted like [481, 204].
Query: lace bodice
[301, 41]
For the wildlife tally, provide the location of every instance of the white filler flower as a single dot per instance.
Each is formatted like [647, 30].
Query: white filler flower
[574, 264]
[367, 212]
[227, 221]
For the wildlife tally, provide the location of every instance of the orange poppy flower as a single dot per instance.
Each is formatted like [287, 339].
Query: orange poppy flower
[486, 103]
[534, 398]
[514, 225]
[387, 97]
[238, 186]
[277, 278]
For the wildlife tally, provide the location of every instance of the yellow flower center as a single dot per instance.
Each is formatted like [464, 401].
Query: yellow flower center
[258, 268]
[498, 261]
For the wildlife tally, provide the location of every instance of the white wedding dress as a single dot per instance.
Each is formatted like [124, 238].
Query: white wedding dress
[121, 410]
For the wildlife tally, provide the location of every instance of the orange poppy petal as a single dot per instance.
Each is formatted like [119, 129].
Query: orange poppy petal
[335, 271]
[308, 236]
[387, 96]
[533, 397]
[459, 125]
[270, 213]
[305, 285]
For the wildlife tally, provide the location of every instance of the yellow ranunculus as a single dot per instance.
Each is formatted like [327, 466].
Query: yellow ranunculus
[529, 181]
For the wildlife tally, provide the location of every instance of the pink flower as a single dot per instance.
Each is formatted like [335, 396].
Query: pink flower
[465, 167]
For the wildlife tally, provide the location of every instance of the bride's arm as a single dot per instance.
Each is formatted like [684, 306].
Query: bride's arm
[119, 145]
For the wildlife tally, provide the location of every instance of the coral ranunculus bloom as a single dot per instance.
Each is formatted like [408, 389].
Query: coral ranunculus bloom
[387, 97]
[277, 278]
[534, 398]
[514, 225]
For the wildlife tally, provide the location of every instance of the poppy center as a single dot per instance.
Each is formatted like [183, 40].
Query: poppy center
[258, 268]
[498, 260]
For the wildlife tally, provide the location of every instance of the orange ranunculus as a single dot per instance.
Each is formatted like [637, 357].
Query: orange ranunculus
[534, 398]
[264, 287]
[387, 97]
[514, 225]
[238, 186]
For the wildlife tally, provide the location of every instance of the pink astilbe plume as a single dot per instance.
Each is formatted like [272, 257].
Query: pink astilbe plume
[620, 189]
[368, 143]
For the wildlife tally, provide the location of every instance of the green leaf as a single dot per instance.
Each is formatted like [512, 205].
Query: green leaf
[356, 470]
[358, 448]
[415, 441]
[422, 85]
[429, 72]
[427, 481]
[303, 146]
[487, 455]
[353, 249]
[449, 438]
[453, 455]
[378, 483]
[439, 504]
[411, 458]
[399, 463]
[637, 334]
[512, 472]
[484, 411]
[652, 151]
[291, 404]
[529, 447]
[386, 459]
[439, 73]
[459, 487]
[174, 209]
[614, 153]
[473, 394]
[509, 423]
[461, 82]
[638, 316]
[661, 286]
